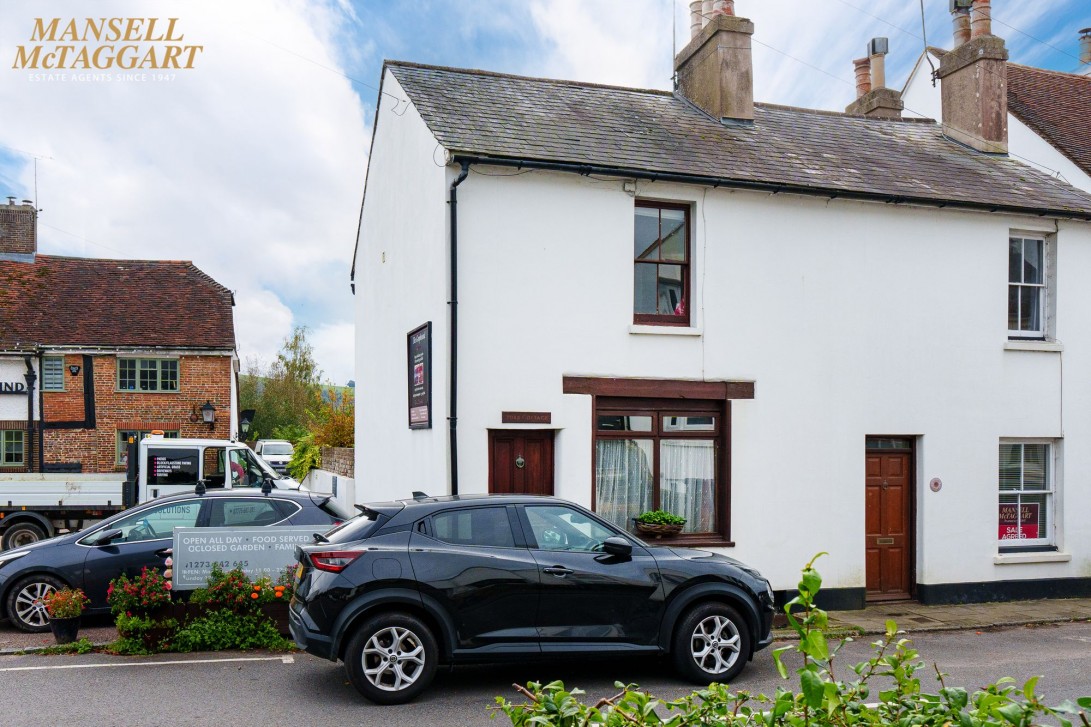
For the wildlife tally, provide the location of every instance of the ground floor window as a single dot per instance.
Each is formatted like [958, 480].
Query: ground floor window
[657, 454]
[1027, 488]
[123, 436]
[12, 448]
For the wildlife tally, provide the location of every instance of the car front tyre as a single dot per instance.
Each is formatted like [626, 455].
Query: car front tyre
[392, 658]
[711, 644]
[25, 605]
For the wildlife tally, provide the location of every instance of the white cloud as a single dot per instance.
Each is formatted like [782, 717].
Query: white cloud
[335, 350]
[251, 164]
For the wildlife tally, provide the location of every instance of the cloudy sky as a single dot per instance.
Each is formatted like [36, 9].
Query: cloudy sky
[251, 164]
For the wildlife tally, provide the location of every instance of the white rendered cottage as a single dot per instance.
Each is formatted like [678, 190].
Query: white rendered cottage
[804, 331]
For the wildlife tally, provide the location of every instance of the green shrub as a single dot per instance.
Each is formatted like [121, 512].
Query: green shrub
[306, 457]
[660, 517]
[226, 629]
[822, 699]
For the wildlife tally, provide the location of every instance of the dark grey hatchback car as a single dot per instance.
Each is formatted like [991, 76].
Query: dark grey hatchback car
[418, 583]
[141, 537]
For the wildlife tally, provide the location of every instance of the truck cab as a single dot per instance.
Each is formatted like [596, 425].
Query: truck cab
[170, 466]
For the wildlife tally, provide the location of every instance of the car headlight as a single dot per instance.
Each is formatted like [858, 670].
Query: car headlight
[769, 592]
[6, 558]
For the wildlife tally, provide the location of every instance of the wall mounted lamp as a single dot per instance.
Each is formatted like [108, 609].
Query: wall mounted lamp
[74, 369]
[208, 414]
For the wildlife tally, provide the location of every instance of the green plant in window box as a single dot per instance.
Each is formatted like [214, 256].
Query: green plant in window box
[659, 523]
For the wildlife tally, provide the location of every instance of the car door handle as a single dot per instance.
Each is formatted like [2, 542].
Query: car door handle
[165, 552]
[557, 570]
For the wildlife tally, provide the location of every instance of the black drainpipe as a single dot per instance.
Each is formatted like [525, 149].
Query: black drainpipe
[452, 420]
[30, 377]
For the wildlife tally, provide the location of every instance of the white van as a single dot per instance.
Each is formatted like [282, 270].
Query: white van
[277, 452]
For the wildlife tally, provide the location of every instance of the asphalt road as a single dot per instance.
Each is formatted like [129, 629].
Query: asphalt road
[259, 688]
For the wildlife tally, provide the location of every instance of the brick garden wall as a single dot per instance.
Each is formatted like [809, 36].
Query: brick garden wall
[200, 378]
[339, 460]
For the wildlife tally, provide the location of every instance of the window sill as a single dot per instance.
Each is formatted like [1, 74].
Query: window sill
[1019, 345]
[1017, 558]
[646, 330]
[687, 542]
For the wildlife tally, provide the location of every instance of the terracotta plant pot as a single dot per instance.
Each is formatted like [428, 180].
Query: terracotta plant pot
[64, 629]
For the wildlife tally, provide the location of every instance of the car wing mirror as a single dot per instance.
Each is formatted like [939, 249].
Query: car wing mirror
[617, 545]
[106, 537]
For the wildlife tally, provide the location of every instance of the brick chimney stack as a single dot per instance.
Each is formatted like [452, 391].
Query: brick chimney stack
[974, 84]
[873, 98]
[715, 70]
[1085, 46]
[18, 231]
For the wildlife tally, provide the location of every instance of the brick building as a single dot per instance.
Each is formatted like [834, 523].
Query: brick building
[94, 351]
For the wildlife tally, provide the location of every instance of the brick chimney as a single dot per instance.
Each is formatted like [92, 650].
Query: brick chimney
[1085, 46]
[715, 71]
[18, 231]
[873, 98]
[974, 82]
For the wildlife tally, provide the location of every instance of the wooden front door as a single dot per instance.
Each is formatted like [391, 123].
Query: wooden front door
[889, 526]
[521, 461]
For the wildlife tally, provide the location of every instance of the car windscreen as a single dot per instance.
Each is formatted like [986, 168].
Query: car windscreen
[364, 524]
[276, 449]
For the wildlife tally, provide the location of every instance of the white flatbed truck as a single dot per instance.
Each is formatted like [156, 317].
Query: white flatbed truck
[36, 506]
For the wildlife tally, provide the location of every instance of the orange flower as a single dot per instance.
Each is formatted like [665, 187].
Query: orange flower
[278, 594]
[253, 595]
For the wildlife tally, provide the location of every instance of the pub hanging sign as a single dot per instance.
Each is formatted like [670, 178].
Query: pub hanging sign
[420, 377]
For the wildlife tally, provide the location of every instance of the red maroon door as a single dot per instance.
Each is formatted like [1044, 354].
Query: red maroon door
[521, 461]
[889, 526]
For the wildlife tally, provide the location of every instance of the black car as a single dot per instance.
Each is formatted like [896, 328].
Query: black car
[450, 580]
[138, 537]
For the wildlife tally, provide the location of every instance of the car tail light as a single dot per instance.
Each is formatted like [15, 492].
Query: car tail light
[334, 561]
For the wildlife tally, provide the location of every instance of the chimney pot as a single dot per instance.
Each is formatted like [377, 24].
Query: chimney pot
[28, 203]
[960, 19]
[723, 7]
[11, 199]
[706, 12]
[877, 49]
[1085, 46]
[862, 67]
[695, 23]
[981, 20]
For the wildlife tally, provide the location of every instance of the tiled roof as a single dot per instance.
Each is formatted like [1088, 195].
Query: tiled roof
[487, 114]
[1057, 106]
[67, 301]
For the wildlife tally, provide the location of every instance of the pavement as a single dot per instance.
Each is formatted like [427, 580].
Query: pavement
[910, 617]
[913, 617]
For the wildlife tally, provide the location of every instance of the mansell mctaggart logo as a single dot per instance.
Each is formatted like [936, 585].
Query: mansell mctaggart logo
[106, 44]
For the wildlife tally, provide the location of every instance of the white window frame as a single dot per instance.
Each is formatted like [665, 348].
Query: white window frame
[1049, 539]
[1046, 299]
[139, 367]
[48, 362]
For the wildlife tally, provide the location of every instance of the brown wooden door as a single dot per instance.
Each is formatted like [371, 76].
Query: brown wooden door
[889, 526]
[521, 461]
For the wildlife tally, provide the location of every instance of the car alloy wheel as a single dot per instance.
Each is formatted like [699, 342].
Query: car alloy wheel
[715, 644]
[26, 603]
[711, 643]
[391, 658]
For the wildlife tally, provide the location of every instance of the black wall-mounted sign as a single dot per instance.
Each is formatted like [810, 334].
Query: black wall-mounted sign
[420, 377]
[12, 387]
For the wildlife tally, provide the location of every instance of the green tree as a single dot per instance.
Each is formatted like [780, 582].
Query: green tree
[285, 396]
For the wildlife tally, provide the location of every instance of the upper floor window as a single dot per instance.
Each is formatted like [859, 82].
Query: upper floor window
[53, 373]
[662, 258]
[1027, 287]
[12, 448]
[147, 374]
